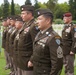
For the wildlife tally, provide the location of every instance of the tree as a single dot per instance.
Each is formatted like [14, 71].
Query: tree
[60, 9]
[6, 8]
[12, 8]
[17, 9]
[28, 2]
[51, 4]
[1, 10]
[42, 5]
[36, 4]
[72, 5]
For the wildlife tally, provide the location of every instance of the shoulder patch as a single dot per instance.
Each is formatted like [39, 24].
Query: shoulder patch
[58, 41]
[75, 29]
[57, 37]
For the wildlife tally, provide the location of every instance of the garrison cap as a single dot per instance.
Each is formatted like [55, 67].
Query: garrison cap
[5, 19]
[67, 14]
[8, 17]
[13, 18]
[18, 18]
[27, 8]
[44, 12]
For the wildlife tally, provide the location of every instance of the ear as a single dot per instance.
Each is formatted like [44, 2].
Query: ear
[48, 21]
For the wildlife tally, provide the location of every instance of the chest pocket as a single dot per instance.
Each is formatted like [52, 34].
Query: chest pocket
[66, 33]
[43, 41]
[26, 30]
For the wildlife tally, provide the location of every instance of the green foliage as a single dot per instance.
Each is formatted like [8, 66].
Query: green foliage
[72, 5]
[42, 5]
[51, 4]
[17, 9]
[28, 2]
[2, 65]
[36, 5]
[1, 10]
[60, 9]
[12, 8]
[5, 8]
[74, 22]
[58, 21]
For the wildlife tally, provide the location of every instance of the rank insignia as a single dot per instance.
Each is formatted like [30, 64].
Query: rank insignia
[59, 52]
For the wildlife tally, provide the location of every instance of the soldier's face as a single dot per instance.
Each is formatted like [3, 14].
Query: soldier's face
[67, 19]
[18, 24]
[12, 22]
[8, 21]
[42, 22]
[4, 23]
[24, 15]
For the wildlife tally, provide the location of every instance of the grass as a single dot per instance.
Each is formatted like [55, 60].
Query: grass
[2, 65]
[6, 72]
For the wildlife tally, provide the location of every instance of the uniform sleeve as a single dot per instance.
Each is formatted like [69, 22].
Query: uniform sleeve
[3, 39]
[56, 57]
[73, 32]
[33, 32]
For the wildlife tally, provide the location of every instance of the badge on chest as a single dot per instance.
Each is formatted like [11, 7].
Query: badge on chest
[26, 30]
[43, 41]
[68, 30]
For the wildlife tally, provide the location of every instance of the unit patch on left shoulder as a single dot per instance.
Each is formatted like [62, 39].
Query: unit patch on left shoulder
[58, 41]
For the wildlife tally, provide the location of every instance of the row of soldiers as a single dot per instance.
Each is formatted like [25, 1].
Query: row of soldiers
[34, 48]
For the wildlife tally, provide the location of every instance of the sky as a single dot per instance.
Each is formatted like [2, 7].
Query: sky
[21, 2]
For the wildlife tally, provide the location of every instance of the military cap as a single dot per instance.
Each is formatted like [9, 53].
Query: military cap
[8, 17]
[18, 18]
[67, 14]
[27, 8]
[44, 12]
[13, 18]
[5, 19]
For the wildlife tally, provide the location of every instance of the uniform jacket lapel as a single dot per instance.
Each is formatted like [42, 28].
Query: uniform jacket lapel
[45, 34]
[26, 25]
